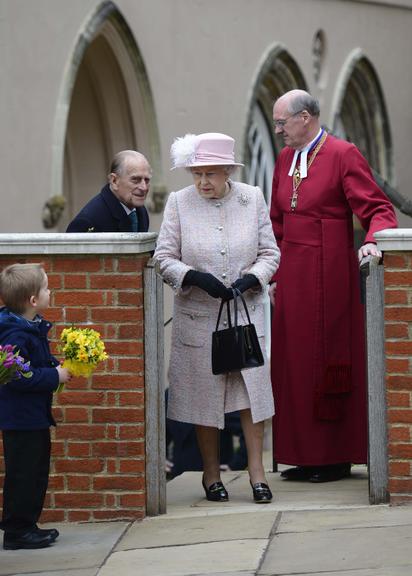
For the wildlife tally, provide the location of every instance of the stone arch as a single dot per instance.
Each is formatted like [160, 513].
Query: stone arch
[359, 113]
[105, 105]
[277, 73]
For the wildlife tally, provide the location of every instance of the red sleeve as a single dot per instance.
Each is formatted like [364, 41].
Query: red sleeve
[366, 199]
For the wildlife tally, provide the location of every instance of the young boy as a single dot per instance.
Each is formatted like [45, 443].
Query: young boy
[25, 406]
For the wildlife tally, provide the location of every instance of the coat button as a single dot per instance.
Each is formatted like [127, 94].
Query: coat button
[218, 204]
[224, 275]
[219, 228]
[223, 251]
[253, 307]
[224, 322]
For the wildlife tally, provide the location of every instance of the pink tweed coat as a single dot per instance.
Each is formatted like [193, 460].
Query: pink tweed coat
[229, 238]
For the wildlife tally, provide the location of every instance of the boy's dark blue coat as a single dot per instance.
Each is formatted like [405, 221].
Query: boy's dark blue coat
[25, 403]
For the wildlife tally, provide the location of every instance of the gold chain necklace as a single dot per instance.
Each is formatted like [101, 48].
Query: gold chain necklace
[296, 179]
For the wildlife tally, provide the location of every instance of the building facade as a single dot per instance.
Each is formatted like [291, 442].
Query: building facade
[86, 78]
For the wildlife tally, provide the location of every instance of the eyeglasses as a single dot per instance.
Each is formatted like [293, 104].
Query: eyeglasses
[282, 123]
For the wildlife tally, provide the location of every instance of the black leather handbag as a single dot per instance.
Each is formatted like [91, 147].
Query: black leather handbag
[237, 347]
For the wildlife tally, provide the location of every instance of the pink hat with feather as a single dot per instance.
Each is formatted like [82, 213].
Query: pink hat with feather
[210, 149]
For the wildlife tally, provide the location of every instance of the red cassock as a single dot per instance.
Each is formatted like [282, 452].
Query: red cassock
[318, 348]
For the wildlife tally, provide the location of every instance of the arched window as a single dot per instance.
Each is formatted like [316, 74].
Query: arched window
[360, 114]
[261, 161]
[278, 73]
[105, 106]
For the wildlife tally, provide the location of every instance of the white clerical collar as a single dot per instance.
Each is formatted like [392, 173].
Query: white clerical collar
[303, 170]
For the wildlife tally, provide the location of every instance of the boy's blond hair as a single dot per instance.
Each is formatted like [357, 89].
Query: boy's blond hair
[18, 283]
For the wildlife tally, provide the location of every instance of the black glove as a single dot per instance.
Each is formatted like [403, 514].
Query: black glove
[248, 281]
[208, 283]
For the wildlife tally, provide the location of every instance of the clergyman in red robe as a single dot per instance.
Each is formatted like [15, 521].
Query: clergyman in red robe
[318, 349]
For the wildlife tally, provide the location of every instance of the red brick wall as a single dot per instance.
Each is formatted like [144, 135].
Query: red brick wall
[398, 343]
[98, 453]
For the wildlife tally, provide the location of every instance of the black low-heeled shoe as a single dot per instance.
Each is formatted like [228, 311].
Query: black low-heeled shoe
[52, 532]
[331, 473]
[298, 473]
[216, 492]
[261, 493]
[28, 541]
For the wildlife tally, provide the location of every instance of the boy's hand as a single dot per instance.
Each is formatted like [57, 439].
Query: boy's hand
[64, 374]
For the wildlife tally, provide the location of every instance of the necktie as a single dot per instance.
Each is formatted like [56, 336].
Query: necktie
[133, 221]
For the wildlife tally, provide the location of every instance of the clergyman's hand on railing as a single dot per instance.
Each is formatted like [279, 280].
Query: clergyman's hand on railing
[368, 249]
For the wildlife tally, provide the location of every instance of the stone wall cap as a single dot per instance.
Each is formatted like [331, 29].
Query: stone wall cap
[394, 239]
[78, 243]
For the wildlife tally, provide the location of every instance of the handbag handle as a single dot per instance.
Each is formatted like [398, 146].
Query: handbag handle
[236, 294]
[240, 295]
[228, 311]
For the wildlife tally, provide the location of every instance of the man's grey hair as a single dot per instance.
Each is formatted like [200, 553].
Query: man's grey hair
[119, 161]
[304, 101]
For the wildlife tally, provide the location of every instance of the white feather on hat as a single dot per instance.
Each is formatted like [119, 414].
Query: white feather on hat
[183, 151]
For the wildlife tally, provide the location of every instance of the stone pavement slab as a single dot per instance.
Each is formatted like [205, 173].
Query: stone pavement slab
[388, 571]
[227, 574]
[229, 556]
[186, 495]
[337, 550]
[80, 547]
[308, 530]
[372, 516]
[85, 572]
[163, 531]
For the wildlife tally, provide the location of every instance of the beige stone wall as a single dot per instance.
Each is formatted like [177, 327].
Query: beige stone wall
[202, 57]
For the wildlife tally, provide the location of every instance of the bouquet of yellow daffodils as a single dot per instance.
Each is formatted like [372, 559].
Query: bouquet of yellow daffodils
[82, 349]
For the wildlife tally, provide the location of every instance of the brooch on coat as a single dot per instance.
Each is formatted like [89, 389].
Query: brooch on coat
[243, 198]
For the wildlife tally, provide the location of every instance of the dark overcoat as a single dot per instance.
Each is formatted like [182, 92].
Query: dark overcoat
[104, 213]
[318, 351]
[25, 403]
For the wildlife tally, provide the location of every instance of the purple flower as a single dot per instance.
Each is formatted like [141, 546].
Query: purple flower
[7, 348]
[12, 365]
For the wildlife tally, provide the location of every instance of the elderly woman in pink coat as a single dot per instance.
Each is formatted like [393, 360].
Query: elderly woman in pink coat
[216, 234]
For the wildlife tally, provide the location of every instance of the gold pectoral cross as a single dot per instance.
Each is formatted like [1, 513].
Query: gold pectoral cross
[296, 179]
[294, 200]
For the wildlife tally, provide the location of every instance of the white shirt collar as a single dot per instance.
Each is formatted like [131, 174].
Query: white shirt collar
[303, 157]
[127, 209]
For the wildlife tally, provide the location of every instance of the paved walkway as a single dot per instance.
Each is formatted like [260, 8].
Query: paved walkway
[309, 529]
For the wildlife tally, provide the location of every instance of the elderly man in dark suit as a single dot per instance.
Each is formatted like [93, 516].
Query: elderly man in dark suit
[119, 206]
